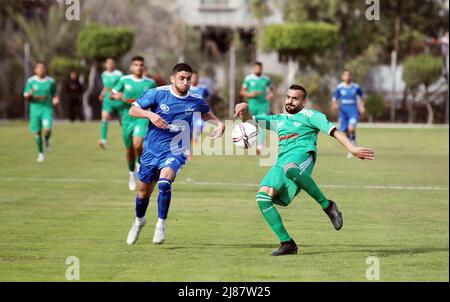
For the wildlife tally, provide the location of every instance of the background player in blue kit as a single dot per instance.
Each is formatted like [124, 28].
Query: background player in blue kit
[198, 121]
[349, 99]
[170, 110]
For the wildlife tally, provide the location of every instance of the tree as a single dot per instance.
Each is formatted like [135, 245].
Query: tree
[422, 70]
[374, 106]
[297, 42]
[95, 43]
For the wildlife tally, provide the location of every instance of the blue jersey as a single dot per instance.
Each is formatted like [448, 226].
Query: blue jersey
[178, 112]
[347, 95]
[201, 90]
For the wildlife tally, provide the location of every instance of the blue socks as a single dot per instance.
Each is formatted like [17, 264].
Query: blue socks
[165, 194]
[141, 206]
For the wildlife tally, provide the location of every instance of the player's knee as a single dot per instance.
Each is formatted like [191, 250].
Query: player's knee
[164, 185]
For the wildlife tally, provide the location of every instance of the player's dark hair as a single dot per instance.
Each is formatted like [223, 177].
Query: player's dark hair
[258, 63]
[40, 63]
[298, 87]
[346, 70]
[138, 58]
[182, 67]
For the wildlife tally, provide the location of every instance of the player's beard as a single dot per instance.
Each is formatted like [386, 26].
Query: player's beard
[292, 109]
[182, 90]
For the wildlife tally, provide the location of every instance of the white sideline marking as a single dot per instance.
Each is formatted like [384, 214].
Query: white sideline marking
[204, 183]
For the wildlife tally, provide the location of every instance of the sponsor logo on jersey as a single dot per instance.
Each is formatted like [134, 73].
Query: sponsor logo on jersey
[169, 161]
[128, 87]
[164, 108]
[189, 110]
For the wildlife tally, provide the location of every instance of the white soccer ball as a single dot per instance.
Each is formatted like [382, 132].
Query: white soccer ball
[245, 135]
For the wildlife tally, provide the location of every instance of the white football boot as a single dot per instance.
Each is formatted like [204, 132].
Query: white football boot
[160, 232]
[40, 158]
[132, 181]
[136, 229]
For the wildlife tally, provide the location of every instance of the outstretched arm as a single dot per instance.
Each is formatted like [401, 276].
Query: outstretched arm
[359, 152]
[212, 119]
[156, 120]
[242, 112]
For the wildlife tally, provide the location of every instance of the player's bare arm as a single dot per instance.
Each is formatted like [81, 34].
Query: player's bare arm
[359, 152]
[220, 126]
[153, 117]
[244, 93]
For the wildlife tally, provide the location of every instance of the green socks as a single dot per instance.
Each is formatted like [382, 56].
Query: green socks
[104, 130]
[306, 182]
[132, 165]
[38, 140]
[272, 216]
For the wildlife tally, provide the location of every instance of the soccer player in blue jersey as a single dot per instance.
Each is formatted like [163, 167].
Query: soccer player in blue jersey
[170, 110]
[198, 121]
[349, 99]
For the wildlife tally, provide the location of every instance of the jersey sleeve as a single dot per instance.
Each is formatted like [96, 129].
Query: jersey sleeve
[28, 87]
[319, 121]
[204, 108]
[246, 84]
[119, 86]
[336, 95]
[53, 89]
[148, 100]
[359, 92]
[266, 121]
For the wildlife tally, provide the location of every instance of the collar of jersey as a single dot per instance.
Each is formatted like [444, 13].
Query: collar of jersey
[177, 96]
[41, 80]
[137, 80]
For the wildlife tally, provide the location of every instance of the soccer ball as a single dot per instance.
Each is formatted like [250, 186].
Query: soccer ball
[244, 135]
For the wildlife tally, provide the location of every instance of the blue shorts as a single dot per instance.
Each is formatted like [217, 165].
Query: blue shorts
[150, 172]
[348, 117]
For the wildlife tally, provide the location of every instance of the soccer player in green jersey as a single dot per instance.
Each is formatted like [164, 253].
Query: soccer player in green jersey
[128, 90]
[40, 92]
[297, 130]
[258, 89]
[110, 78]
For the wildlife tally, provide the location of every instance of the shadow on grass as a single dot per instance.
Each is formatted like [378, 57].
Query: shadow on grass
[373, 250]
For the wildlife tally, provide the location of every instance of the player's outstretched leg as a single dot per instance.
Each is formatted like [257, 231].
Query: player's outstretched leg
[104, 130]
[305, 181]
[40, 147]
[142, 202]
[273, 218]
[164, 198]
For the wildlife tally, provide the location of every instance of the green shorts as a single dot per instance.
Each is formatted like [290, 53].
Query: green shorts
[133, 127]
[276, 178]
[112, 106]
[40, 118]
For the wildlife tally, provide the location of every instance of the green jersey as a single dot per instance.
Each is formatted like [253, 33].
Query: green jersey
[110, 80]
[133, 88]
[43, 91]
[261, 84]
[297, 132]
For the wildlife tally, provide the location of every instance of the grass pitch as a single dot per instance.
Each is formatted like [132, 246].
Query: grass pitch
[77, 204]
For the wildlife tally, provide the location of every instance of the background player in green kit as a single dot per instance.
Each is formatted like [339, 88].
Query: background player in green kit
[297, 130]
[110, 78]
[128, 90]
[258, 89]
[40, 91]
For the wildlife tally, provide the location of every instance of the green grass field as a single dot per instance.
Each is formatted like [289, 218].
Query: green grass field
[77, 203]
